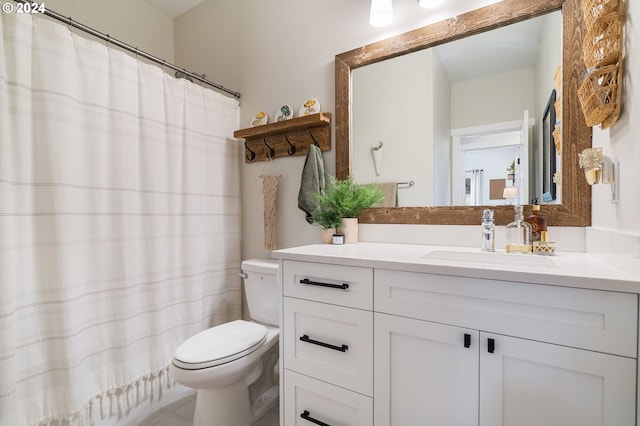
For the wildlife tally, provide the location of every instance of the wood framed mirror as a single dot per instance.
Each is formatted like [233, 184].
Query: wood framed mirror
[575, 209]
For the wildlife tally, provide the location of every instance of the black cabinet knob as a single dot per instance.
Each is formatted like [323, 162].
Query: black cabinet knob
[491, 345]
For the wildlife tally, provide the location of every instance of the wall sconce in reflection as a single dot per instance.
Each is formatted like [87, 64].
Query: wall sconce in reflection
[600, 168]
[510, 193]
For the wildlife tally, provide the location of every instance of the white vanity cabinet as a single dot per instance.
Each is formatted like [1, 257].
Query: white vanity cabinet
[462, 351]
[373, 339]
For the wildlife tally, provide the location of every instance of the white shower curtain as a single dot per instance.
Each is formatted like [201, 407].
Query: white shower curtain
[119, 223]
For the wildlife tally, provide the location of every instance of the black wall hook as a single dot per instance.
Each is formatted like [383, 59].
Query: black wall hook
[292, 148]
[271, 153]
[315, 142]
[252, 155]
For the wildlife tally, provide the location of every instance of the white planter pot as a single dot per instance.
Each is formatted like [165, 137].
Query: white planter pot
[326, 235]
[349, 227]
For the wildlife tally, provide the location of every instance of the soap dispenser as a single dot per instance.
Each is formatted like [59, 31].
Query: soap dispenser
[488, 231]
[518, 234]
[537, 222]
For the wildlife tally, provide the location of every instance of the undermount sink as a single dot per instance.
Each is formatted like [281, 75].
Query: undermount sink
[489, 258]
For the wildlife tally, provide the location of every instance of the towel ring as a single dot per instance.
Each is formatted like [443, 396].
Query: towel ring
[315, 142]
[292, 148]
[271, 153]
[252, 155]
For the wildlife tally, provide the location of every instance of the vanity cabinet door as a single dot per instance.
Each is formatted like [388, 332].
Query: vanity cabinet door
[425, 373]
[528, 383]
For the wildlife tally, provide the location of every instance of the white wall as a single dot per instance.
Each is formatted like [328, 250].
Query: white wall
[622, 142]
[441, 135]
[394, 104]
[494, 99]
[549, 57]
[283, 52]
[133, 22]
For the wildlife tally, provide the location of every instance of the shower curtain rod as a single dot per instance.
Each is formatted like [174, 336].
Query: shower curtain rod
[106, 37]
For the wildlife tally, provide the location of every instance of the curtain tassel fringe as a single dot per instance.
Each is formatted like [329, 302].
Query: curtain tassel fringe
[117, 401]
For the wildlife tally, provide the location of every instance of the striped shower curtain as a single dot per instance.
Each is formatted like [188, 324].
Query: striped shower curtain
[119, 223]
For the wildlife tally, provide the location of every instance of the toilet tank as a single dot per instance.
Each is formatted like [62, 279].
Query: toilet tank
[262, 290]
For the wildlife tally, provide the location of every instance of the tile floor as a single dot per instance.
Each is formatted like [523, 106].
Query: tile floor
[180, 413]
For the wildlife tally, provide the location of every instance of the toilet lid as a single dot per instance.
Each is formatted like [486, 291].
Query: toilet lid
[221, 344]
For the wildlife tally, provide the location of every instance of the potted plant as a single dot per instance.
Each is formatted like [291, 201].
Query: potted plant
[348, 198]
[329, 220]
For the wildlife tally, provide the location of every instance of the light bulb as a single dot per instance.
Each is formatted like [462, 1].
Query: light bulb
[381, 13]
[427, 4]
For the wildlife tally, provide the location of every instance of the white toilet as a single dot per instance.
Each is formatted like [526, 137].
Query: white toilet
[232, 365]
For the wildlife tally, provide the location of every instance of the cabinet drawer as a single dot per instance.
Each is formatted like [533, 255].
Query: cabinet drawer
[590, 319]
[306, 397]
[335, 284]
[328, 342]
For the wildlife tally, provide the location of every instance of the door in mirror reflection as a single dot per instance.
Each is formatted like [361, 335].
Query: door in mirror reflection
[486, 160]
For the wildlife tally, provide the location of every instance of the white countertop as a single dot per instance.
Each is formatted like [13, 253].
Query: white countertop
[617, 272]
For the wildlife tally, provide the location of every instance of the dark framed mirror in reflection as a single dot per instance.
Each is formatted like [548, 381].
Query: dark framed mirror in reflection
[443, 198]
[549, 154]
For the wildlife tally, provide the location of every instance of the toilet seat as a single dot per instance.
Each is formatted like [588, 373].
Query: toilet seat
[219, 345]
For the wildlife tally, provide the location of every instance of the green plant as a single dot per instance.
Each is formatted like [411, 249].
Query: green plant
[326, 218]
[348, 198]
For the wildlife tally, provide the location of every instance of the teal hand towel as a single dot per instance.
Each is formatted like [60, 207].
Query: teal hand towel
[312, 182]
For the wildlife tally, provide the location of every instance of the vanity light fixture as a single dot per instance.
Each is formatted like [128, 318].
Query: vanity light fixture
[381, 13]
[428, 4]
[598, 167]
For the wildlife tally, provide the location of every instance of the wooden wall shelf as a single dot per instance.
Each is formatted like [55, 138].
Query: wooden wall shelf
[300, 133]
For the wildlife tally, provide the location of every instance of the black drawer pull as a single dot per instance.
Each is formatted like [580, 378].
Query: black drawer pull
[307, 281]
[306, 338]
[491, 345]
[467, 340]
[305, 415]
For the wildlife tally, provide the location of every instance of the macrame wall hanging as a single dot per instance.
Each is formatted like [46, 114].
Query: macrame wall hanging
[269, 192]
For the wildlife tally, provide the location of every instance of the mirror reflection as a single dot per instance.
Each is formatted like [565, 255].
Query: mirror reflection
[460, 123]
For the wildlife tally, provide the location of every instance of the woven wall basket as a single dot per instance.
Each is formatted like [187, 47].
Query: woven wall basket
[603, 43]
[557, 138]
[596, 9]
[599, 94]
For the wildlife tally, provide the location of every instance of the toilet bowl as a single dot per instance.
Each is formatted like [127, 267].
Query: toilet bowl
[232, 365]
